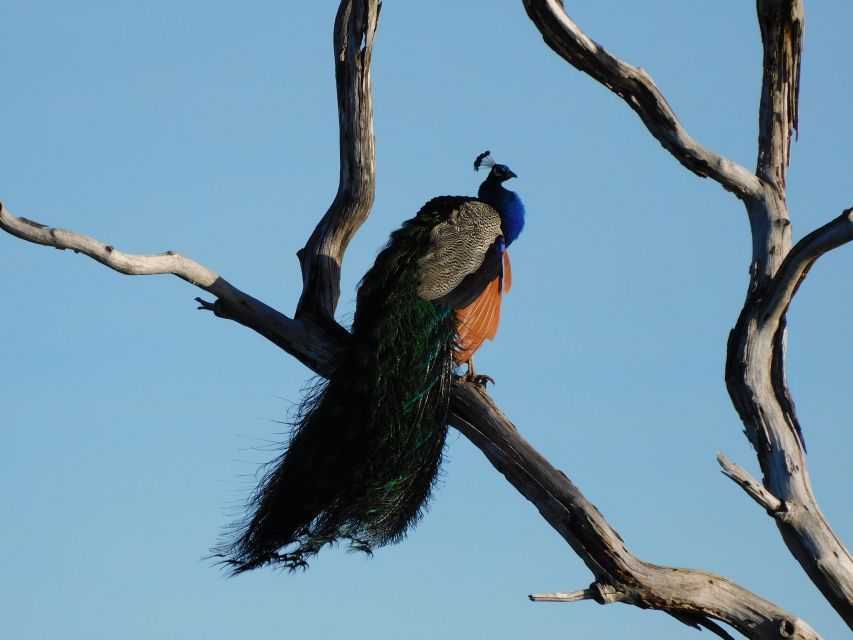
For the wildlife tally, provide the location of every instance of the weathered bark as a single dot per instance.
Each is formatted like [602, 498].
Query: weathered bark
[312, 345]
[781, 23]
[639, 91]
[690, 595]
[757, 384]
[323, 254]
[755, 369]
[694, 597]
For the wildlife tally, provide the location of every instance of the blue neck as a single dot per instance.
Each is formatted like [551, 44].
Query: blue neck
[507, 203]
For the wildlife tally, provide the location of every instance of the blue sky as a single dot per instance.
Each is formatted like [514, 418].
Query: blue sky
[132, 424]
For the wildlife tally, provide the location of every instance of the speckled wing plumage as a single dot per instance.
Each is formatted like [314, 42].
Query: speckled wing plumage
[478, 321]
[463, 256]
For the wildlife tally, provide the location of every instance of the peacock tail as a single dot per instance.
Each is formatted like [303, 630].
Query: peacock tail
[366, 450]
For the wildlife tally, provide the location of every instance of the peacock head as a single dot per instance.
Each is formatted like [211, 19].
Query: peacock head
[499, 172]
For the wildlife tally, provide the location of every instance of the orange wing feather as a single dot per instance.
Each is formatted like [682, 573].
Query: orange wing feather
[479, 321]
[507, 273]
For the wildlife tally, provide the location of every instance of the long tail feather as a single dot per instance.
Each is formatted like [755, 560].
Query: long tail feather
[364, 455]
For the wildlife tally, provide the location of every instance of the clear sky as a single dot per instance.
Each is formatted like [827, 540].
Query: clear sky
[132, 424]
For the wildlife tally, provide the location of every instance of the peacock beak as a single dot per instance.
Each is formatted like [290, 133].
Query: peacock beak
[512, 175]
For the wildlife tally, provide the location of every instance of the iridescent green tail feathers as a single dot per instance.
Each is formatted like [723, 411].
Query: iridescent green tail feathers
[366, 450]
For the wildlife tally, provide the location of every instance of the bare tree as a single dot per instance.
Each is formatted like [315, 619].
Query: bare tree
[755, 371]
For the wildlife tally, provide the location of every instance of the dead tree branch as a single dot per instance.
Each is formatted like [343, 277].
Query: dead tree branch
[639, 91]
[570, 596]
[755, 370]
[757, 383]
[800, 259]
[620, 577]
[692, 596]
[305, 341]
[323, 254]
[781, 23]
[753, 488]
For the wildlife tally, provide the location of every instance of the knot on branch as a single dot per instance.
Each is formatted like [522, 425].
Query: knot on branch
[604, 593]
[782, 512]
[792, 628]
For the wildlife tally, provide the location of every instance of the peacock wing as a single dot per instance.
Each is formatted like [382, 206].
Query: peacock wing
[479, 321]
[463, 256]
[507, 274]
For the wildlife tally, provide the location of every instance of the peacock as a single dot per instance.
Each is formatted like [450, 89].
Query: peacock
[367, 445]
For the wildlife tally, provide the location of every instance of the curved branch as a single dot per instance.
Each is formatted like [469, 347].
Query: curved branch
[300, 338]
[755, 370]
[757, 384]
[691, 596]
[755, 362]
[637, 88]
[323, 254]
[799, 261]
[755, 376]
[687, 594]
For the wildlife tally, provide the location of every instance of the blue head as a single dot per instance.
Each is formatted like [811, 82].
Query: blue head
[506, 202]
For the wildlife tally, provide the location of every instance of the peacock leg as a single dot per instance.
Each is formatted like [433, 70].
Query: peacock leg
[472, 376]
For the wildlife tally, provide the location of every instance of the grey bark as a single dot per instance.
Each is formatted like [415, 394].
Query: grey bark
[755, 368]
[692, 596]
[323, 254]
[695, 597]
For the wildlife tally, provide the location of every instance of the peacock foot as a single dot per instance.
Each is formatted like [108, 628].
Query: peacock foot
[478, 378]
[472, 376]
[482, 380]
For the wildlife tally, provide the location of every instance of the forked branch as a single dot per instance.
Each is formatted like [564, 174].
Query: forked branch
[620, 577]
[323, 254]
[639, 91]
[692, 596]
[687, 594]
[802, 256]
[755, 369]
[314, 348]
[745, 480]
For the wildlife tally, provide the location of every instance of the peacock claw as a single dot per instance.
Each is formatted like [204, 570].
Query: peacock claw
[472, 376]
[482, 380]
